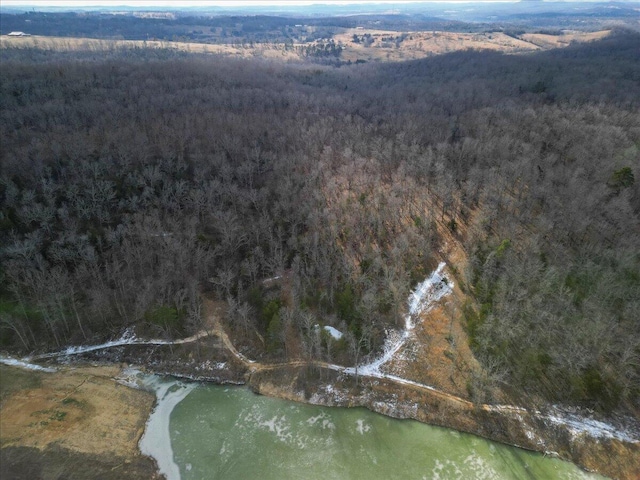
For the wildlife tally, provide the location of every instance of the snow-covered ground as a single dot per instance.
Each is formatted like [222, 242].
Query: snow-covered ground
[14, 362]
[421, 300]
[427, 293]
[334, 332]
[127, 338]
[580, 425]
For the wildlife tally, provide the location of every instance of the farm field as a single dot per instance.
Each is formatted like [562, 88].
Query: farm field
[356, 44]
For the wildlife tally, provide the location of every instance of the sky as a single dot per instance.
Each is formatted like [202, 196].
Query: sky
[194, 3]
[173, 3]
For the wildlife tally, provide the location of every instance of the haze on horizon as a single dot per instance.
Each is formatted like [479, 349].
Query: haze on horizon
[228, 3]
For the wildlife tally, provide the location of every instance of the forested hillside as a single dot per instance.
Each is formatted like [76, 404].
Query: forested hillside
[304, 195]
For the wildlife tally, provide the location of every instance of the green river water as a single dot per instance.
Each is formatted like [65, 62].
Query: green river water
[220, 432]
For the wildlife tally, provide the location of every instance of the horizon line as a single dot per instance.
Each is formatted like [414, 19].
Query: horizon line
[252, 3]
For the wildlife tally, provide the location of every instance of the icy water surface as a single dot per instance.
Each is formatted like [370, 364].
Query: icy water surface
[230, 433]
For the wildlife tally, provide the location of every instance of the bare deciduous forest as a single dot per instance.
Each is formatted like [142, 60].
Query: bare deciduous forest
[135, 180]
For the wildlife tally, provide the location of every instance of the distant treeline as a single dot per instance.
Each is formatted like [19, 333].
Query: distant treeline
[213, 29]
[199, 26]
[134, 180]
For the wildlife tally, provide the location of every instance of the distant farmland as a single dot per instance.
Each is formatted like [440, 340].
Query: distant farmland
[352, 44]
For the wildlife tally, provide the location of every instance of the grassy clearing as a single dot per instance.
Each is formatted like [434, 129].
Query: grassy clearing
[357, 44]
[14, 379]
[69, 44]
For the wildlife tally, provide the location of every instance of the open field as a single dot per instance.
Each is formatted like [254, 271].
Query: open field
[397, 46]
[556, 41]
[356, 43]
[77, 421]
[389, 46]
[91, 44]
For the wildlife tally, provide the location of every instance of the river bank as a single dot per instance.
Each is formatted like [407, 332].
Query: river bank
[404, 381]
[77, 421]
[94, 418]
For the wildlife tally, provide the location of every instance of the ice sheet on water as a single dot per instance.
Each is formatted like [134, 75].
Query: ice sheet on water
[362, 427]
[131, 377]
[156, 441]
[278, 425]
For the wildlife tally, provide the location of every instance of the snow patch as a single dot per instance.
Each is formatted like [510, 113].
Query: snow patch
[272, 279]
[14, 362]
[209, 365]
[421, 300]
[335, 333]
[579, 425]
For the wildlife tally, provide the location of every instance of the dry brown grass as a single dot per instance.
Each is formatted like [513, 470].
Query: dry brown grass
[425, 44]
[273, 51]
[556, 41]
[416, 44]
[82, 409]
[440, 354]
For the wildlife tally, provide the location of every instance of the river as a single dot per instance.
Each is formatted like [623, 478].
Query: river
[206, 431]
[222, 432]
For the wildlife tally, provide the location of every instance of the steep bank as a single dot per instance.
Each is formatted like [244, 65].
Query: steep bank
[399, 382]
[603, 449]
[605, 452]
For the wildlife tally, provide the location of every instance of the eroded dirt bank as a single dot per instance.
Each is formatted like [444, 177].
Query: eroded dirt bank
[421, 375]
[612, 457]
[104, 421]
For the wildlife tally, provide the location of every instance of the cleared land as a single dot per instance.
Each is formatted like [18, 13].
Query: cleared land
[76, 422]
[545, 41]
[90, 44]
[357, 44]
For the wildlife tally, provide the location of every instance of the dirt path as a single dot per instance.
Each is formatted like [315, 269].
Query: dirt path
[573, 423]
[214, 328]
